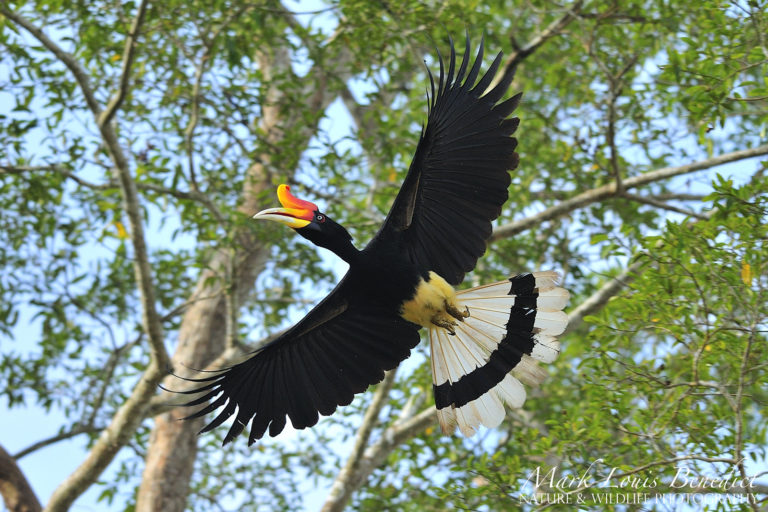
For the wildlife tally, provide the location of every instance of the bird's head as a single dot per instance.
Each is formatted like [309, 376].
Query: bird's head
[307, 220]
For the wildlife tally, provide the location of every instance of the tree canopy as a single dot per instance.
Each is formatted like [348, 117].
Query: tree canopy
[137, 138]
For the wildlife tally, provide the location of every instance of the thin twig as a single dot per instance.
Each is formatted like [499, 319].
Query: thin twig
[664, 206]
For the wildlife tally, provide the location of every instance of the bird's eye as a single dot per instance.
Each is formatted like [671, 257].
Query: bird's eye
[320, 217]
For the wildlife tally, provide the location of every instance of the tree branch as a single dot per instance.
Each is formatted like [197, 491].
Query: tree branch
[74, 431]
[651, 201]
[66, 58]
[17, 494]
[128, 56]
[21, 169]
[601, 297]
[616, 83]
[376, 454]
[607, 191]
[341, 491]
[192, 195]
[521, 53]
[128, 417]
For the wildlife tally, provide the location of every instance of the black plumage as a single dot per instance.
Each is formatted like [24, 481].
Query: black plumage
[438, 226]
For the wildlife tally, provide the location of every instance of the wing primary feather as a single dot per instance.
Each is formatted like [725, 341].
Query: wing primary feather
[323, 376]
[201, 400]
[282, 401]
[440, 81]
[475, 67]
[429, 96]
[505, 108]
[451, 67]
[203, 379]
[221, 418]
[210, 407]
[464, 61]
[308, 403]
[210, 385]
[338, 382]
[500, 89]
[312, 382]
[482, 85]
[264, 407]
[235, 430]
[277, 425]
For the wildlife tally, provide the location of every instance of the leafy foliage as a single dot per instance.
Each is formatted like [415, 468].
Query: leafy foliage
[667, 375]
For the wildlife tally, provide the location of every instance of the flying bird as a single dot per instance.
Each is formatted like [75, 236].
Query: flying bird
[484, 341]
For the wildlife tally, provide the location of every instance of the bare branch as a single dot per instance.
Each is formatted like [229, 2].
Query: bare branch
[74, 431]
[125, 73]
[192, 195]
[14, 487]
[607, 191]
[376, 454]
[230, 301]
[521, 53]
[341, 491]
[616, 85]
[674, 196]
[10, 169]
[601, 297]
[664, 206]
[194, 118]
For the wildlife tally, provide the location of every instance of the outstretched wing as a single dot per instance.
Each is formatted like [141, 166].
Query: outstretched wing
[458, 179]
[340, 348]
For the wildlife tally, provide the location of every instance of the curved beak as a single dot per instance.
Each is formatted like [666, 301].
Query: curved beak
[292, 217]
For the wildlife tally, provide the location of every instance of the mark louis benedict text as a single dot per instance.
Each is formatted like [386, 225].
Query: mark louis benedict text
[600, 484]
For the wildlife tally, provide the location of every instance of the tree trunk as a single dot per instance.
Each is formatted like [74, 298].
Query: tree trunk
[202, 337]
[173, 444]
[17, 494]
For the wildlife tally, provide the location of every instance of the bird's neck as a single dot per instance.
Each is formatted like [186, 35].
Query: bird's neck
[346, 251]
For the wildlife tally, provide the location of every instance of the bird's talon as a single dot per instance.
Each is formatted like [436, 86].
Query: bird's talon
[455, 312]
[448, 325]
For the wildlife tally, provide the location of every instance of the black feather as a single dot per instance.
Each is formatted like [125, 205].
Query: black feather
[440, 221]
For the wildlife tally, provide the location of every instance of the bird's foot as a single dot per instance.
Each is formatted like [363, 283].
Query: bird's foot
[440, 321]
[455, 312]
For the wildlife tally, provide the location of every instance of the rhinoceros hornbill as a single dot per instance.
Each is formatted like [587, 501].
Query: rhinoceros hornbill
[483, 340]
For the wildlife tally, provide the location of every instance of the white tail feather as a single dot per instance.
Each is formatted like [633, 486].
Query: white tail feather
[529, 372]
[479, 335]
[551, 323]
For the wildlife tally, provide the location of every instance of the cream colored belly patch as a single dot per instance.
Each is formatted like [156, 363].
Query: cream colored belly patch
[433, 304]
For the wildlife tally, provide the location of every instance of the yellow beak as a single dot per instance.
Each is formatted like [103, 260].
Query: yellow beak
[292, 217]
